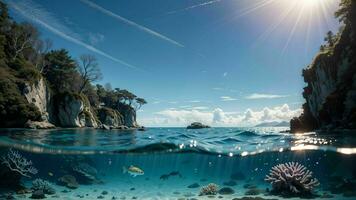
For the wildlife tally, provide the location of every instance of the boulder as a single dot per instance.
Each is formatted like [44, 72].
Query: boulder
[38, 194]
[69, 181]
[197, 125]
[39, 125]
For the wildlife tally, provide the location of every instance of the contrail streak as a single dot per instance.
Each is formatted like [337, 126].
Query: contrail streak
[131, 23]
[25, 8]
[193, 6]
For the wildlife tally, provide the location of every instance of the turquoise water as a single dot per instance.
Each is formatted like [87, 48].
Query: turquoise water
[177, 162]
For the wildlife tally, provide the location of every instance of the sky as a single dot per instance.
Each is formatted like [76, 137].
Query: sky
[220, 62]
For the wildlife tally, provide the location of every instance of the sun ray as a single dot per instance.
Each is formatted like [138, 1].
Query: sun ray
[291, 34]
[274, 26]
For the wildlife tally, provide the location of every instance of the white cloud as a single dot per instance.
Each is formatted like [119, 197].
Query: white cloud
[39, 15]
[194, 101]
[95, 38]
[264, 96]
[227, 98]
[218, 117]
[224, 74]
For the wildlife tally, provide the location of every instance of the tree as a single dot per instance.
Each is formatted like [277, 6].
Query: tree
[140, 102]
[60, 70]
[41, 48]
[89, 70]
[22, 37]
[329, 38]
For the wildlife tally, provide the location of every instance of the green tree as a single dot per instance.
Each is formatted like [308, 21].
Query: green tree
[140, 102]
[60, 71]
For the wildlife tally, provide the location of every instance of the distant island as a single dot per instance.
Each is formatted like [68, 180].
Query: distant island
[41, 87]
[330, 93]
[273, 124]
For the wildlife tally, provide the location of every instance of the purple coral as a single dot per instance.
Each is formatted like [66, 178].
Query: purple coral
[19, 164]
[291, 177]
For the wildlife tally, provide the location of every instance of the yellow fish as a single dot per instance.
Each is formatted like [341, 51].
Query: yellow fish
[133, 171]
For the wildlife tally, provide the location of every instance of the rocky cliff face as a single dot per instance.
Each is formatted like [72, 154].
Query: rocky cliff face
[110, 117]
[72, 111]
[39, 95]
[129, 115]
[330, 93]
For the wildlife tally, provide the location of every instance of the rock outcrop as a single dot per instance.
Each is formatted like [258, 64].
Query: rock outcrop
[110, 117]
[197, 125]
[72, 111]
[330, 93]
[129, 115]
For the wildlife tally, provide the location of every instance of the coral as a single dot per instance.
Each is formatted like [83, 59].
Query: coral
[45, 186]
[291, 177]
[19, 164]
[210, 189]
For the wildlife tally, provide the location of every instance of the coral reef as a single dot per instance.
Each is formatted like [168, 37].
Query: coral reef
[210, 189]
[292, 178]
[45, 186]
[19, 164]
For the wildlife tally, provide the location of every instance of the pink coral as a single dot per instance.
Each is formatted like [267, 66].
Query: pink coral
[19, 164]
[291, 177]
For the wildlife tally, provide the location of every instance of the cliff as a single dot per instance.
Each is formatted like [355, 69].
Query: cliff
[330, 93]
[44, 88]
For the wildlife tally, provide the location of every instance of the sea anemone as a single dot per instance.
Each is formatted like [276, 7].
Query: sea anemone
[210, 189]
[291, 177]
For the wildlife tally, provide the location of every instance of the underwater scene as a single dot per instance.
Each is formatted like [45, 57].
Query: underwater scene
[176, 163]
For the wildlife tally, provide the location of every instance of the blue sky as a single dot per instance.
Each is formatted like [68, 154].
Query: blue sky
[222, 62]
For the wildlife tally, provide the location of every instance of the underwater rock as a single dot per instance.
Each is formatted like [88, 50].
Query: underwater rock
[194, 185]
[292, 178]
[38, 194]
[253, 191]
[85, 173]
[230, 183]
[226, 191]
[132, 189]
[100, 197]
[104, 192]
[210, 189]
[7, 196]
[45, 186]
[69, 181]
[23, 191]
[237, 176]
[197, 125]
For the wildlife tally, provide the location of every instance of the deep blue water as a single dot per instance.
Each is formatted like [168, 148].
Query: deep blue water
[217, 155]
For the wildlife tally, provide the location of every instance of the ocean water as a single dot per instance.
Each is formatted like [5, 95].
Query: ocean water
[176, 163]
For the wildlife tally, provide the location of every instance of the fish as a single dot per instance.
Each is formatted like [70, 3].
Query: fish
[50, 174]
[175, 173]
[164, 177]
[133, 171]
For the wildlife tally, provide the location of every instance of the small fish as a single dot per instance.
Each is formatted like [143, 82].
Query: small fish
[50, 174]
[133, 171]
[175, 173]
[164, 177]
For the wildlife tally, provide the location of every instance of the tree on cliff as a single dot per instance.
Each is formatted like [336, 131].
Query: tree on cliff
[60, 70]
[140, 102]
[89, 71]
